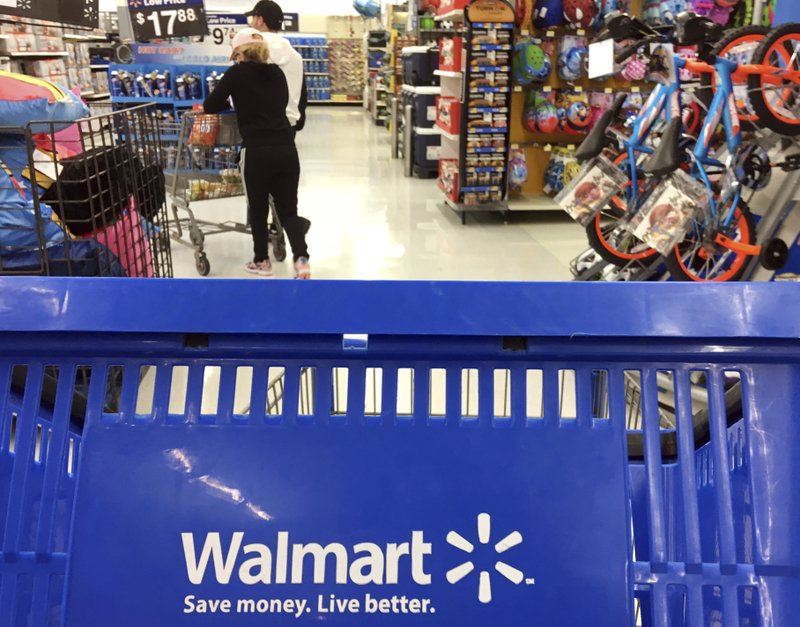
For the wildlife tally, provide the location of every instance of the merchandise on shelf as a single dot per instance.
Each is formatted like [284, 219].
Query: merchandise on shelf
[419, 65]
[548, 13]
[400, 43]
[517, 169]
[448, 178]
[315, 53]
[451, 50]
[532, 61]
[481, 122]
[448, 6]
[448, 114]
[425, 113]
[346, 67]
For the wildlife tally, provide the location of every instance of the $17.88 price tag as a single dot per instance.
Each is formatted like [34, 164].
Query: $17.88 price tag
[157, 19]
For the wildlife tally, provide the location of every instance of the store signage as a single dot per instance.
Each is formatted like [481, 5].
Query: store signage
[350, 525]
[78, 12]
[161, 19]
[490, 11]
[223, 26]
[291, 22]
[182, 54]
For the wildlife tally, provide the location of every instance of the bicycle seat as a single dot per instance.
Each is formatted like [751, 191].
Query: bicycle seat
[693, 30]
[596, 140]
[668, 156]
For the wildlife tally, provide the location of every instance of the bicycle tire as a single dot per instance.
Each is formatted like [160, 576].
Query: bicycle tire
[680, 271]
[599, 236]
[768, 116]
[732, 39]
[609, 250]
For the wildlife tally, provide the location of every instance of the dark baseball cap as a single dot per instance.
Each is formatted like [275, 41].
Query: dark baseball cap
[270, 12]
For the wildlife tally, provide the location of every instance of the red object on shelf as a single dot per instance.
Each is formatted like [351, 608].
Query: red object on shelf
[448, 178]
[451, 54]
[446, 6]
[448, 114]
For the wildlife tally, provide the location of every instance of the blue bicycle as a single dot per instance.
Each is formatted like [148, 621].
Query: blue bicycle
[721, 241]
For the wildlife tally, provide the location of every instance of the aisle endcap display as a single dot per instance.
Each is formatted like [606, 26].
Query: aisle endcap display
[472, 112]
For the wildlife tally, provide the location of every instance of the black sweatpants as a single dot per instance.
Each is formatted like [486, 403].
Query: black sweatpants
[273, 171]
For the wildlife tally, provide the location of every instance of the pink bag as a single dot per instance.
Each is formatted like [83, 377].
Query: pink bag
[127, 240]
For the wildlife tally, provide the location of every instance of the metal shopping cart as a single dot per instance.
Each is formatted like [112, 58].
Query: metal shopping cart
[85, 198]
[526, 460]
[204, 165]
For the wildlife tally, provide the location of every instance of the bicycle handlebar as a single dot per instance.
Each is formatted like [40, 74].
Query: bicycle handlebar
[628, 52]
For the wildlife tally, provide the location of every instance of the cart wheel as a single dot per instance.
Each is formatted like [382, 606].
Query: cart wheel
[196, 236]
[202, 264]
[161, 242]
[279, 249]
[774, 254]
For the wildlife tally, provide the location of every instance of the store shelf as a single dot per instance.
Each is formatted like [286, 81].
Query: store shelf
[100, 96]
[98, 66]
[448, 134]
[480, 47]
[451, 16]
[491, 68]
[491, 206]
[317, 74]
[144, 100]
[337, 102]
[75, 37]
[422, 90]
[37, 55]
[312, 47]
[448, 74]
[428, 131]
[532, 202]
[486, 130]
[188, 103]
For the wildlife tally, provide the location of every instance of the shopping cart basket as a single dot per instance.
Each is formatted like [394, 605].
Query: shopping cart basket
[502, 487]
[84, 199]
[206, 167]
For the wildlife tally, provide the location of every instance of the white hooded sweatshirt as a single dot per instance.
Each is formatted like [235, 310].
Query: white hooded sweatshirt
[289, 60]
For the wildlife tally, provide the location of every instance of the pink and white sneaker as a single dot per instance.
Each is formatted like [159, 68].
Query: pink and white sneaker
[261, 268]
[302, 269]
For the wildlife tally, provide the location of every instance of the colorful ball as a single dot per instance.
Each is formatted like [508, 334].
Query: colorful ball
[529, 119]
[580, 13]
[546, 116]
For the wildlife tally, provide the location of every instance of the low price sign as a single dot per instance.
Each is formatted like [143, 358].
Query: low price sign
[158, 19]
[223, 26]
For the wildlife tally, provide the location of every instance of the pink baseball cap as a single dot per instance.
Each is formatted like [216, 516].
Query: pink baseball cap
[245, 36]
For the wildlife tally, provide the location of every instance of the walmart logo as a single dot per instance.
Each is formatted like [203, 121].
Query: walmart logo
[458, 573]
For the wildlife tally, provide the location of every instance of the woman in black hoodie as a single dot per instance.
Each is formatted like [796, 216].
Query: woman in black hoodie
[269, 162]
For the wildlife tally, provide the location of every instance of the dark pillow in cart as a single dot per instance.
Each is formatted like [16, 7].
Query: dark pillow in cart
[96, 186]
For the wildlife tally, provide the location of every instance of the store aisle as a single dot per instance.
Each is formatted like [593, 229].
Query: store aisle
[370, 222]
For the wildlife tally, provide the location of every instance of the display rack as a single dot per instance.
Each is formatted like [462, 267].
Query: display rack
[346, 70]
[377, 88]
[317, 65]
[55, 52]
[473, 165]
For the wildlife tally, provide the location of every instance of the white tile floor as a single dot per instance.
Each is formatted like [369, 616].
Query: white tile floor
[371, 222]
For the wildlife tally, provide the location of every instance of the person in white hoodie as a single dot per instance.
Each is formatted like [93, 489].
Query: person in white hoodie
[267, 17]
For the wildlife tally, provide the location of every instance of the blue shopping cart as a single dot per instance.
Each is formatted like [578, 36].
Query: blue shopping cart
[441, 454]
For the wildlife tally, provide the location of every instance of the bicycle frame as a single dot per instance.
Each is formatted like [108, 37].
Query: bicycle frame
[722, 109]
[665, 98]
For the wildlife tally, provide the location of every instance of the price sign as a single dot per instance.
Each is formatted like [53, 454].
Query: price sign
[159, 19]
[223, 26]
